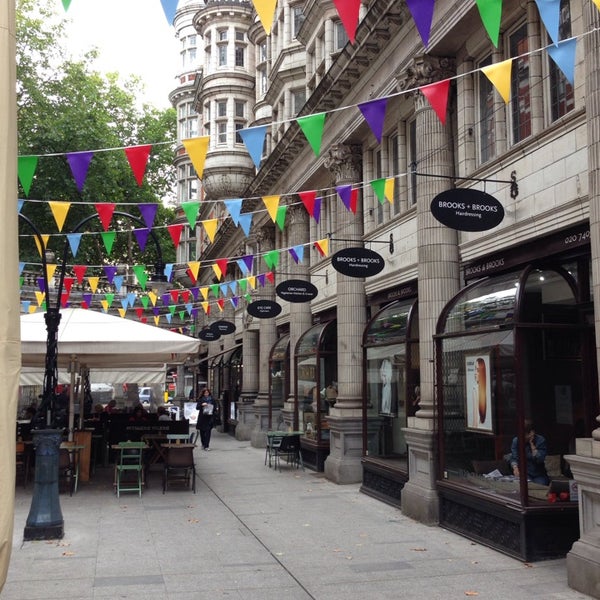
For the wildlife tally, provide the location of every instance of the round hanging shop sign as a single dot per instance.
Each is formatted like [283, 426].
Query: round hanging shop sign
[264, 309]
[357, 262]
[296, 290]
[223, 327]
[467, 210]
[209, 335]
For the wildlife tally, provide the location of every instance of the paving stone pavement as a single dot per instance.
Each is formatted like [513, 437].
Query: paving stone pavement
[251, 532]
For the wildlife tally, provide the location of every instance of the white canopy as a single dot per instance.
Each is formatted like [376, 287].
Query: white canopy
[141, 376]
[99, 340]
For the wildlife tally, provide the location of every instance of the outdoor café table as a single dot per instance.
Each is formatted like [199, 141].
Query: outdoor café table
[155, 442]
[277, 435]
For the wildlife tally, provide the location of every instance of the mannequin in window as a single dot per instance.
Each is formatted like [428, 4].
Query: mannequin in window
[385, 372]
[479, 393]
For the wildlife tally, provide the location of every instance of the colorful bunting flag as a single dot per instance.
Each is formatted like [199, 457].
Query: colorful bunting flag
[374, 114]
[499, 76]
[254, 140]
[191, 212]
[105, 212]
[550, 15]
[437, 95]
[312, 128]
[175, 233]
[197, 149]
[148, 212]
[141, 235]
[280, 218]
[26, 166]
[348, 10]
[108, 238]
[138, 160]
[234, 207]
[271, 259]
[265, 9]
[322, 246]
[246, 223]
[210, 226]
[74, 239]
[563, 54]
[490, 12]
[422, 14]
[349, 196]
[272, 204]
[79, 163]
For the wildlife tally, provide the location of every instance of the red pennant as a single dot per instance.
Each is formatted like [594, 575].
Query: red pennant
[84, 305]
[68, 284]
[64, 299]
[174, 296]
[105, 212]
[270, 276]
[308, 199]
[144, 320]
[221, 303]
[175, 232]
[437, 94]
[191, 275]
[139, 311]
[138, 160]
[222, 264]
[185, 296]
[79, 271]
[348, 11]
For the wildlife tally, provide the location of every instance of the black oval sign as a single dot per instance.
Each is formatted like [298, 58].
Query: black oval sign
[223, 327]
[467, 210]
[296, 290]
[264, 309]
[357, 262]
[209, 335]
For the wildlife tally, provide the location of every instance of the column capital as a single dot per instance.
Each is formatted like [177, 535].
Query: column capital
[265, 236]
[425, 69]
[345, 162]
[297, 214]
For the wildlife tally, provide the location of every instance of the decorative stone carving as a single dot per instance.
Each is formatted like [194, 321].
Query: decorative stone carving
[345, 162]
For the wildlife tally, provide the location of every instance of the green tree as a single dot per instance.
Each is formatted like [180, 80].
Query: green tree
[65, 105]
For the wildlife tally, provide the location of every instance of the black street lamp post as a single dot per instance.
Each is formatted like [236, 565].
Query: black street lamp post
[45, 520]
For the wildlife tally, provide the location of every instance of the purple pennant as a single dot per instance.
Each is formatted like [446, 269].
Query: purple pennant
[41, 284]
[148, 213]
[195, 291]
[79, 163]
[317, 209]
[345, 193]
[165, 299]
[422, 14]
[194, 314]
[235, 301]
[141, 235]
[87, 298]
[261, 280]
[156, 311]
[110, 272]
[248, 261]
[374, 114]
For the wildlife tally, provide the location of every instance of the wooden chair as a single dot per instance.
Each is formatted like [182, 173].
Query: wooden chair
[179, 465]
[23, 462]
[129, 471]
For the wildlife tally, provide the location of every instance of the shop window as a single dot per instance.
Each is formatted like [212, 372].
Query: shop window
[278, 381]
[392, 377]
[562, 97]
[510, 352]
[520, 104]
[487, 131]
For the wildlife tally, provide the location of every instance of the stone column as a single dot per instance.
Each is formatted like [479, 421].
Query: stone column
[439, 281]
[246, 413]
[300, 313]
[583, 561]
[343, 465]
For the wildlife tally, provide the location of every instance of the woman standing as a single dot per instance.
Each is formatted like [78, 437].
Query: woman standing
[206, 407]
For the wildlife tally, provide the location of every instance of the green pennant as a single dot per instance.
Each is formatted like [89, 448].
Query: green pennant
[271, 259]
[490, 12]
[182, 315]
[109, 299]
[145, 301]
[141, 275]
[66, 4]
[248, 298]
[172, 308]
[243, 283]
[26, 166]
[214, 288]
[280, 218]
[191, 212]
[21, 281]
[108, 237]
[378, 186]
[312, 128]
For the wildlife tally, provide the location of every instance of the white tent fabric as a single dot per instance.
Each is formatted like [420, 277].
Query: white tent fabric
[116, 376]
[99, 340]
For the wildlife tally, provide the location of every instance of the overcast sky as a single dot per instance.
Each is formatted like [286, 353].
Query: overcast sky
[132, 36]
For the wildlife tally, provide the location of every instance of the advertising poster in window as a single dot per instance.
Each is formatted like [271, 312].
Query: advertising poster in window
[479, 392]
[389, 402]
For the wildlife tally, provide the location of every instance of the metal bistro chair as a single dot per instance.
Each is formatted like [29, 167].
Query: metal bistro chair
[66, 471]
[129, 472]
[290, 449]
[273, 444]
[179, 461]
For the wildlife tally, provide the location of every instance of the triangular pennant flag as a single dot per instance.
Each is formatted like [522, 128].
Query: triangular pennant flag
[39, 297]
[243, 285]
[390, 183]
[271, 259]
[297, 253]
[170, 8]
[93, 283]
[234, 208]
[246, 223]
[66, 4]
[104, 305]
[41, 284]
[550, 14]
[271, 203]
[105, 212]
[378, 186]
[141, 235]
[252, 281]
[499, 76]
[68, 284]
[122, 312]
[169, 271]
[210, 226]
[349, 196]
[245, 263]
[153, 298]
[206, 307]
[50, 270]
[108, 237]
[156, 319]
[308, 199]
[26, 166]
[270, 276]
[204, 292]
[194, 267]
[348, 11]
[437, 95]
[261, 279]
[374, 114]
[191, 212]
[317, 209]
[43, 244]
[312, 128]
[144, 301]
[222, 263]
[234, 302]
[233, 287]
[597, 3]
[490, 12]
[265, 9]
[26, 304]
[280, 218]
[118, 282]
[422, 14]
[139, 312]
[322, 246]
[175, 233]
[174, 296]
[110, 271]
[217, 270]
[109, 298]
[141, 275]
[148, 212]
[59, 212]
[185, 296]
[563, 54]
[79, 271]
[74, 239]
[196, 149]
[138, 160]
[172, 309]
[79, 163]
[215, 289]
[21, 267]
[224, 287]
[254, 140]
[20, 203]
[131, 296]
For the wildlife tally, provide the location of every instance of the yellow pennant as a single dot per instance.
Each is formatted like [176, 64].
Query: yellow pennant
[59, 211]
[122, 312]
[153, 298]
[252, 281]
[32, 309]
[272, 204]
[205, 306]
[265, 9]
[104, 304]
[323, 246]
[194, 268]
[388, 189]
[156, 319]
[204, 292]
[217, 271]
[93, 281]
[40, 296]
[196, 149]
[499, 75]
[50, 270]
[45, 238]
[210, 226]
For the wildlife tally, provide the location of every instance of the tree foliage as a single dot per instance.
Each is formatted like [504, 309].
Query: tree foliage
[65, 105]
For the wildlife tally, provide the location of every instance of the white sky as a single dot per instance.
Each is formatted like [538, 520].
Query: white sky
[132, 37]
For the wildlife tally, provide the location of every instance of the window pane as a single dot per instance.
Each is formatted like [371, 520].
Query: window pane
[487, 136]
[562, 99]
[222, 56]
[521, 98]
[239, 55]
